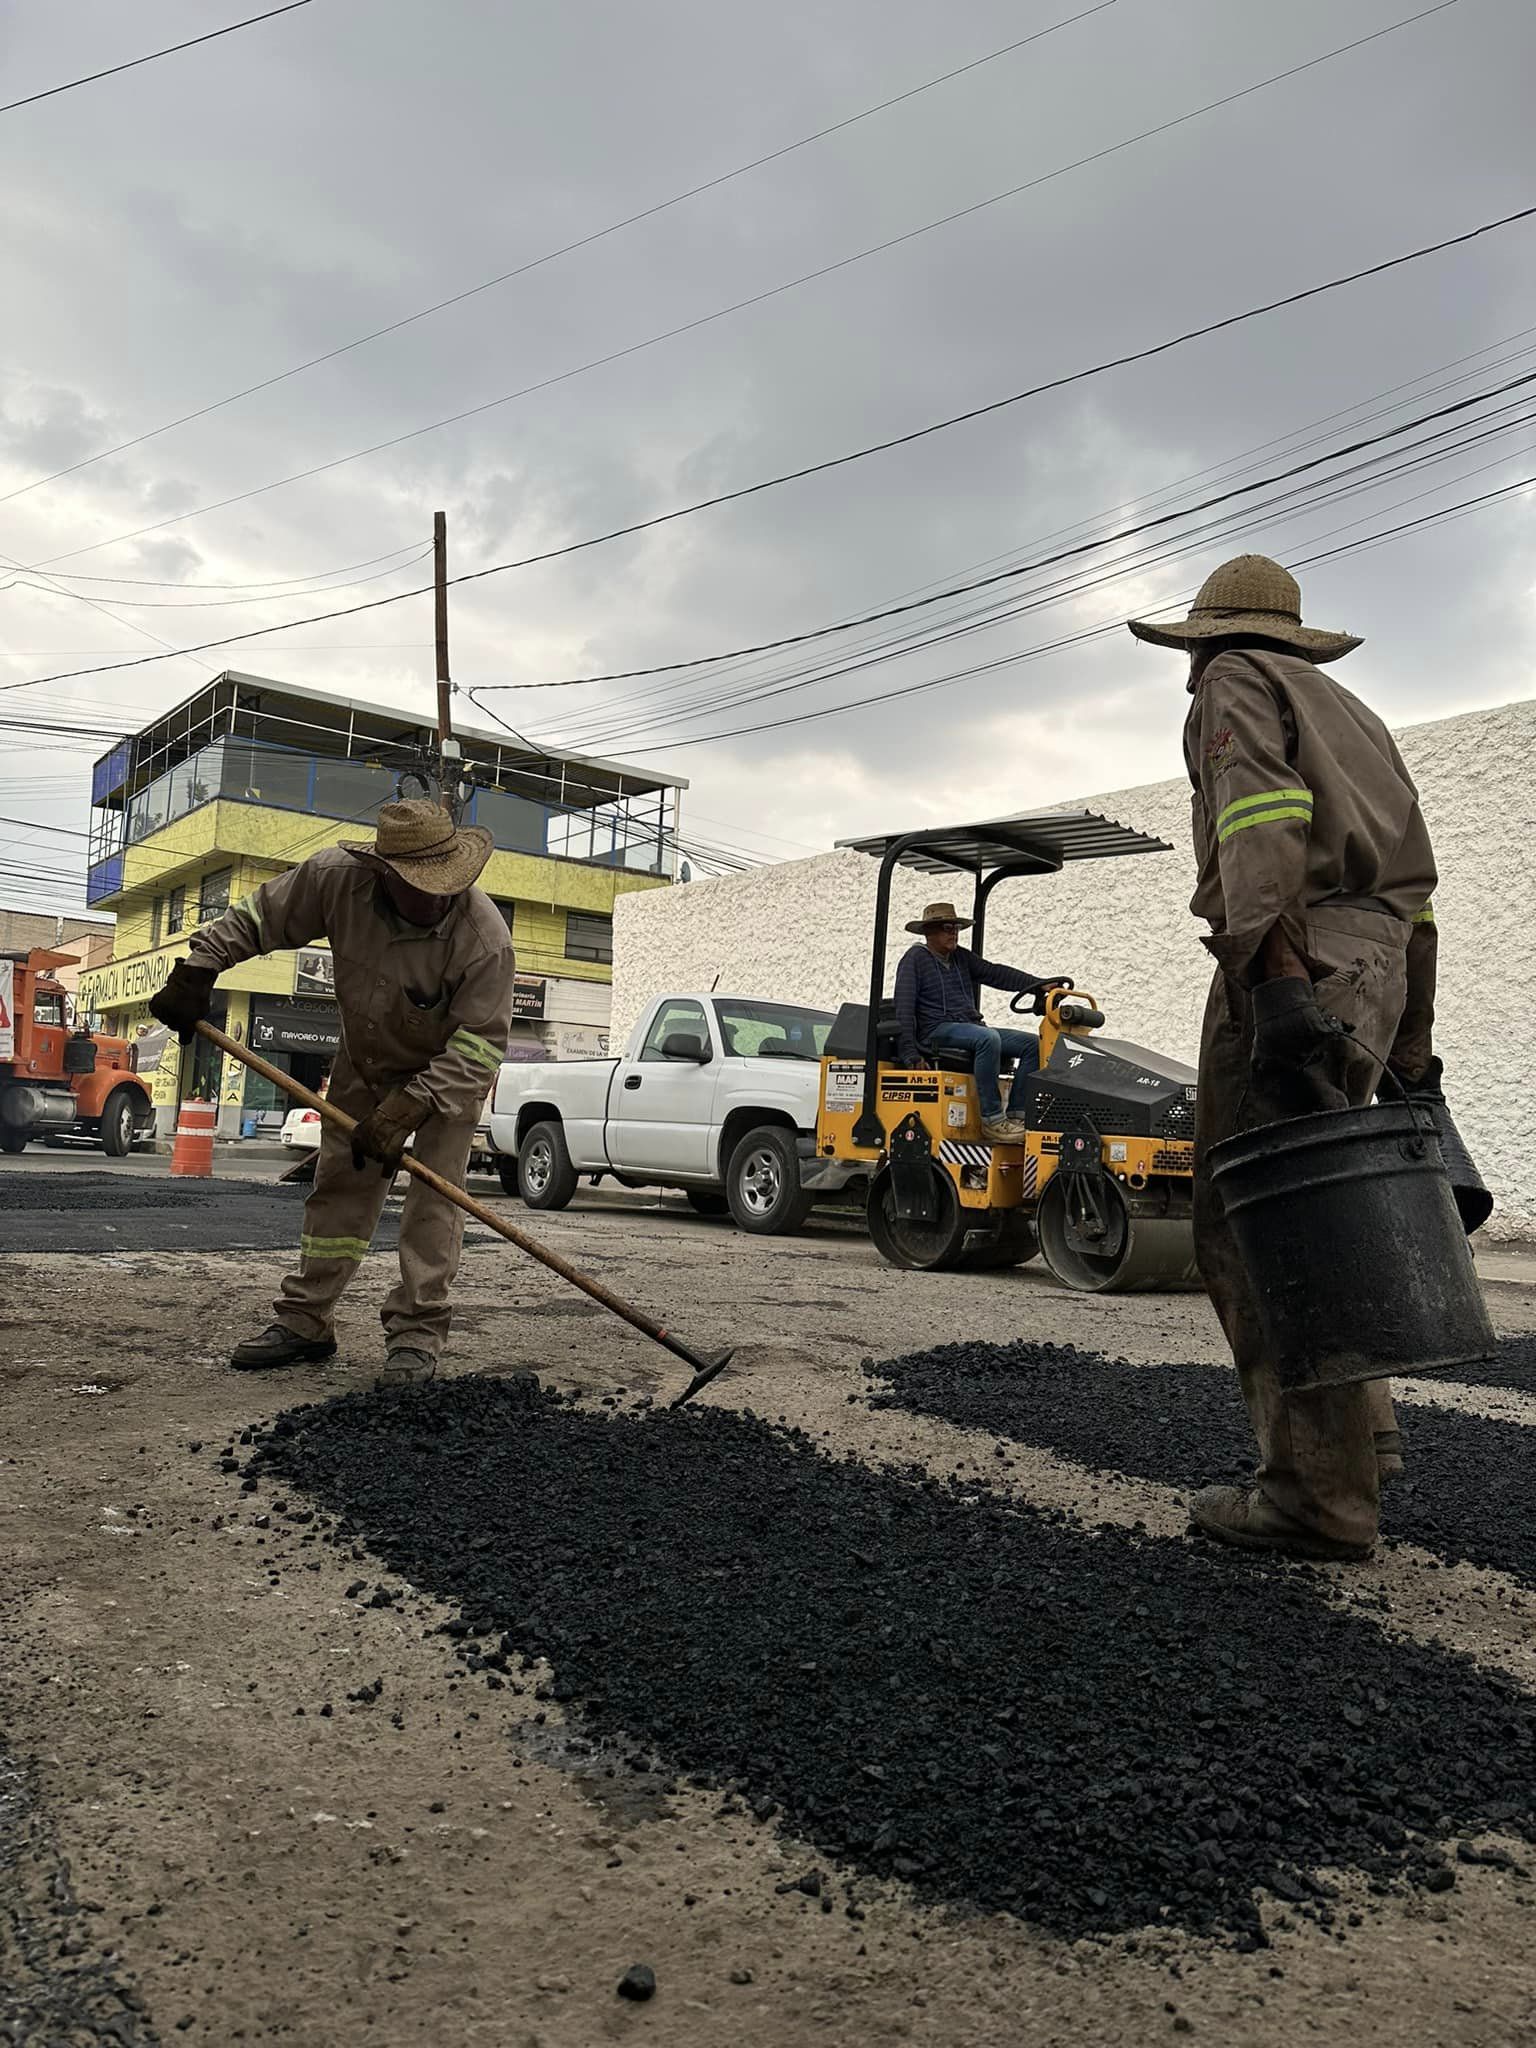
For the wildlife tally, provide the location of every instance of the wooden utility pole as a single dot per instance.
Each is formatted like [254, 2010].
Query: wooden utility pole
[447, 747]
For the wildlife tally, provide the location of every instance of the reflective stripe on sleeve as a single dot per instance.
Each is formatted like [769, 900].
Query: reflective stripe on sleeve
[474, 1047]
[333, 1247]
[1266, 808]
[1426, 915]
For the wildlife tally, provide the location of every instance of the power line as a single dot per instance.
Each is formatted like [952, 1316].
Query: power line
[133, 63]
[836, 461]
[213, 604]
[1072, 639]
[567, 249]
[270, 583]
[36, 825]
[740, 305]
[1024, 568]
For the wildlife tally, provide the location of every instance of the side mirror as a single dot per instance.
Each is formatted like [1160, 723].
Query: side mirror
[685, 1045]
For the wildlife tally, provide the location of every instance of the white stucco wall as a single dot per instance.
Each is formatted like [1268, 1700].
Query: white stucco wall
[1122, 929]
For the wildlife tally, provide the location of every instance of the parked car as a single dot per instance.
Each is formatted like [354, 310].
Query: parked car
[301, 1127]
[715, 1095]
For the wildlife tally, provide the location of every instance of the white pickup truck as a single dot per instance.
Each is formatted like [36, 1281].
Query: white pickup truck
[715, 1095]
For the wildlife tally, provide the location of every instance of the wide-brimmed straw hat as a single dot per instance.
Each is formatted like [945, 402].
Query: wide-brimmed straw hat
[939, 913]
[1249, 594]
[425, 848]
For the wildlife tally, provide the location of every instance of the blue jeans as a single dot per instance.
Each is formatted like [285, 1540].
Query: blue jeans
[989, 1046]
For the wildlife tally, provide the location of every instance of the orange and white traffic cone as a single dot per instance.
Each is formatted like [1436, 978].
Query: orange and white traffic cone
[192, 1151]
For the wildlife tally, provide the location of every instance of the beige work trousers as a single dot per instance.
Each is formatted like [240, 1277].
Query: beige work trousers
[1317, 1451]
[343, 1211]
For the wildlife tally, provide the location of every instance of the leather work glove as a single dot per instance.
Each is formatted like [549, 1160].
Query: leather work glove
[185, 1000]
[1428, 1087]
[1290, 1036]
[382, 1133]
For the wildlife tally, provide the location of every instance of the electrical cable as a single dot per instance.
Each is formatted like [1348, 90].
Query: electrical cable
[167, 583]
[210, 604]
[838, 461]
[552, 255]
[151, 56]
[740, 305]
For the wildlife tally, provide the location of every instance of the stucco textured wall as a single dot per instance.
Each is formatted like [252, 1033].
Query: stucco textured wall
[1122, 928]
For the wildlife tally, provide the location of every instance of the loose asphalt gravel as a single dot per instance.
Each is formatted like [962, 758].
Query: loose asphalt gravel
[111, 1212]
[1094, 1729]
[57, 1987]
[1466, 1494]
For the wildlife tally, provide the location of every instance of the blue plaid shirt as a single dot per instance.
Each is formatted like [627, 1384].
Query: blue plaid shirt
[931, 991]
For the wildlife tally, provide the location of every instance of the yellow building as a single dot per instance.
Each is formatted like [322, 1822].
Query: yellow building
[248, 777]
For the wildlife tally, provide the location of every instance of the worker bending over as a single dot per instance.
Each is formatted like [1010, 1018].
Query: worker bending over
[423, 966]
[938, 985]
[1315, 868]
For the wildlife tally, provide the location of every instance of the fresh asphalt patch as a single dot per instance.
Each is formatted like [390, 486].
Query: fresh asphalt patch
[1466, 1494]
[1094, 1729]
[111, 1212]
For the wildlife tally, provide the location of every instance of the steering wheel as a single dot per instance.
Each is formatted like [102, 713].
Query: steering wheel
[1024, 1002]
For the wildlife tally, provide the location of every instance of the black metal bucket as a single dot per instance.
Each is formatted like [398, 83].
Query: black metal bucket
[1351, 1238]
[1474, 1204]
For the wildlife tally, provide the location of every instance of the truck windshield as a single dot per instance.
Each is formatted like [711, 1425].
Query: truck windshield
[772, 1030]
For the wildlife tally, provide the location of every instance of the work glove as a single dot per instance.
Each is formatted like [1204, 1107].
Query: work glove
[1291, 1035]
[1428, 1087]
[1055, 981]
[382, 1133]
[185, 999]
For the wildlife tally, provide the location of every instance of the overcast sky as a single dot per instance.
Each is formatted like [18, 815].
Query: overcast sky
[208, 220]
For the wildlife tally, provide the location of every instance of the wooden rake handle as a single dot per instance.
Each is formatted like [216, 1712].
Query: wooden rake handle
[339, 1120]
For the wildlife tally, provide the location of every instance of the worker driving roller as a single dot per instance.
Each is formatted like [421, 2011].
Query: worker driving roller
[937, 996]
[1315, 868]
[424, 973]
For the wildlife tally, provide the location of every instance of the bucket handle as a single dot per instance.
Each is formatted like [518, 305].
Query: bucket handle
[1422, 1132]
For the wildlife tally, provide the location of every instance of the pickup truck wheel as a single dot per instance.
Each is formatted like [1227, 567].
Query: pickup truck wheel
[13, 1140]
[506, 1168]
[705, 1202]
[117, 1123]
[762, 1183]
[546, 1178]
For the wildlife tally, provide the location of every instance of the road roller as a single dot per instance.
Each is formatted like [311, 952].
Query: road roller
[1099, 1184]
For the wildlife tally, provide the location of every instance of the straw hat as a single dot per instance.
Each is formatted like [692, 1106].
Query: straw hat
[1249, 594]
[939, 913]
[425, 848]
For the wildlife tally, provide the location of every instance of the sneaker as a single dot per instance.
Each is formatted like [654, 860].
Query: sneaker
[1389, 1454]
[405, 1366]
[1003, 1130]
[1242, 1516]
[278, 1346]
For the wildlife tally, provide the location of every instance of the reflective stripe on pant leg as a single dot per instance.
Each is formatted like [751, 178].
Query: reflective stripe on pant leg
[416, 1311]
[339, 1218]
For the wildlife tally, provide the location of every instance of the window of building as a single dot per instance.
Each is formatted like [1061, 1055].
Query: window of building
[587, 936]
[213, 894]
[507, 910]
[156, 919]
[175, 911]
[678, 1015]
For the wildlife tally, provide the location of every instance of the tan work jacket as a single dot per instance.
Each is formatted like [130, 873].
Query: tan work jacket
[1300, 798]
[429, 1010]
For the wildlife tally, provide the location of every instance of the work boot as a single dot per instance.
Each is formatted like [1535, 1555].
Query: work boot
[1389, 1454]
[406, 1366]
[276, 1346]
[1241, 1515]
[1003, 1130]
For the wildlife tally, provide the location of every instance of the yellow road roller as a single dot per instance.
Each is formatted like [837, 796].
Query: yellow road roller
[1100, 1183]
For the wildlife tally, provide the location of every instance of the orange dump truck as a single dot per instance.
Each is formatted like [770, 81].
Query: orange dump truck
[55, 1081]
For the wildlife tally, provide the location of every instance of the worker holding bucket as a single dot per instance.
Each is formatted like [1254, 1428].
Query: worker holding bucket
[1314, 868]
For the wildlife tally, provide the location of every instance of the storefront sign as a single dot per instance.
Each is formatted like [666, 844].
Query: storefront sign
[295, 1027]
[526, 1053]
[125, 981]
[528, 995]
[314, 972]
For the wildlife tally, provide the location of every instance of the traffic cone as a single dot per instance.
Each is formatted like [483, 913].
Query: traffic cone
[192, 1151]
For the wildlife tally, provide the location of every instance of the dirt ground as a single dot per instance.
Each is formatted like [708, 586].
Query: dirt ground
[217, 1844]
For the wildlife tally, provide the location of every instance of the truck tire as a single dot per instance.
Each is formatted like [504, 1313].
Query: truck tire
[117, 1122]
[13, 1140]
[705, 1202]
[762, 1183]
[546, 1178]
[506, 1168]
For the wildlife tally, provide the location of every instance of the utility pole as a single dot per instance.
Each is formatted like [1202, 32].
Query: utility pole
[447, 746]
